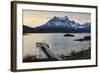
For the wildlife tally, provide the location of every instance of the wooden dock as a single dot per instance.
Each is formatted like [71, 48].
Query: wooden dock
[49, 53]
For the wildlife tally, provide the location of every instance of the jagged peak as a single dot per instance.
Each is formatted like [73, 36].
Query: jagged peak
[73, 22]
[66, 17]
[55, 16]
[61, 18]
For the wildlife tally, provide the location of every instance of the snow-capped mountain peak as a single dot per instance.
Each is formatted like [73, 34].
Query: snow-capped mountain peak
[65, 24]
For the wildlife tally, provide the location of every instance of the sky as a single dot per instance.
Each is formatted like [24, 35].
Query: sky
[35, 18]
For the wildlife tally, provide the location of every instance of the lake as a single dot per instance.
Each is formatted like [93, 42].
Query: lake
[58, 43]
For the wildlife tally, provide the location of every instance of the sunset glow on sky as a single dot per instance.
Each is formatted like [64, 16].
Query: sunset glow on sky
[36, 18]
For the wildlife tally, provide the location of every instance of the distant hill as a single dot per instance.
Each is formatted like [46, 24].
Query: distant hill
[27, 29]
[60, 25]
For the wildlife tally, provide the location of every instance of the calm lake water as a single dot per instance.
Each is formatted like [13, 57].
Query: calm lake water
[57, 42]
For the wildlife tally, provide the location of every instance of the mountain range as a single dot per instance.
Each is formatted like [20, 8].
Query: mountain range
[59, 25]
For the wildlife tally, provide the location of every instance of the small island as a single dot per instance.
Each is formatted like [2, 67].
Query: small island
[86, 38]
[69, 35]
